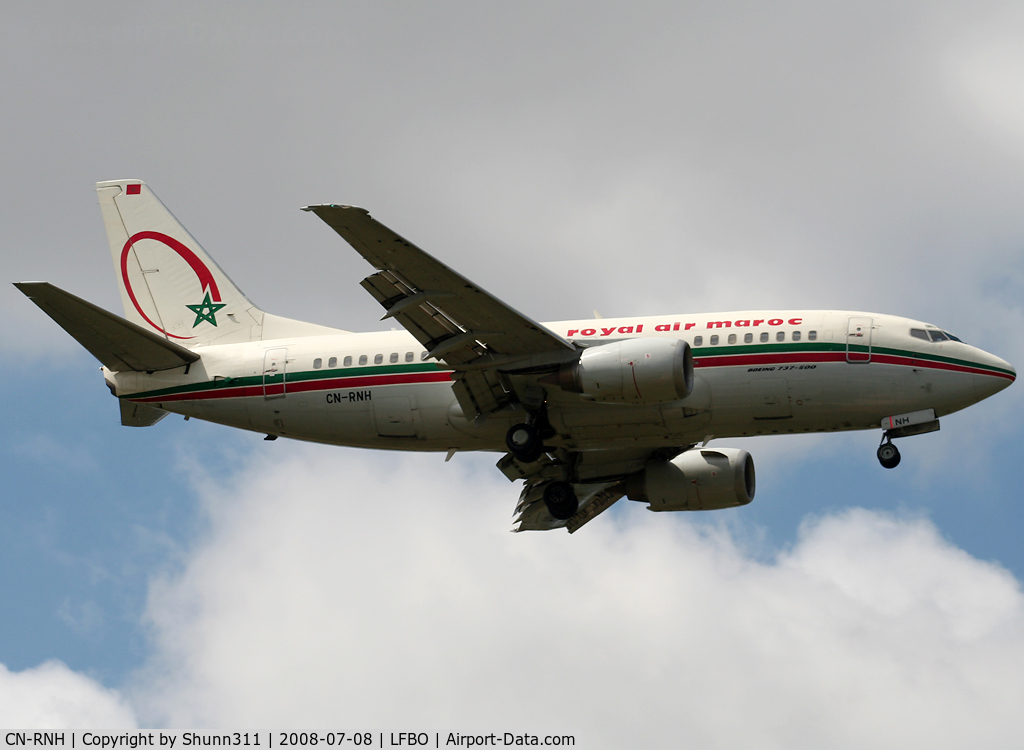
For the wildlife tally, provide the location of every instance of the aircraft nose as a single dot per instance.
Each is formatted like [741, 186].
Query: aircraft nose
[1002, 374]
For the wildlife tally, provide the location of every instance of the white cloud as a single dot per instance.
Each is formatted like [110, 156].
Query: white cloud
[51, 696]
[388, 589]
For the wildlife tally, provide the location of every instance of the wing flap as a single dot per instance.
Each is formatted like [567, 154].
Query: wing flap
[114, 341]
[532, 514]
[598, 478]
[413, 310]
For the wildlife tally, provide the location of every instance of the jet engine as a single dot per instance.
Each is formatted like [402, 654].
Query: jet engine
[633, 371]
[698, 479]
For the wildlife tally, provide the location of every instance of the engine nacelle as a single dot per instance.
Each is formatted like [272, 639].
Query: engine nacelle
[634, 371]
[699, 479]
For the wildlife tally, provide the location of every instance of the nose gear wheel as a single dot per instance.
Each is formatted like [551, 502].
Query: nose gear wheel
[888, 455]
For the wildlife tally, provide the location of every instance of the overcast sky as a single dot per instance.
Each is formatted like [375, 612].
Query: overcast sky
[568, 157]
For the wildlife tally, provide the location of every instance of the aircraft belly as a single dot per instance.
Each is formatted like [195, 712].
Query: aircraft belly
[229, 412]
[608, 415]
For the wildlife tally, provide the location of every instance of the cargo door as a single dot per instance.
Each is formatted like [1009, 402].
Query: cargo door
[769, 398]
[395, 416]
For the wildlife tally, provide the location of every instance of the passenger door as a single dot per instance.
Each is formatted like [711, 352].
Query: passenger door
[858, 340]
[274, 362]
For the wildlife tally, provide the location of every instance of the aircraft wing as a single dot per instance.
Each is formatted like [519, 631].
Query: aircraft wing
[458, 322]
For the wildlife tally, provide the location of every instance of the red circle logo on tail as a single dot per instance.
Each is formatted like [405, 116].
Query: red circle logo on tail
[206, 280]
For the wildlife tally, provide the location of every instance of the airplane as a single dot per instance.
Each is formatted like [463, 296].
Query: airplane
[586, 412]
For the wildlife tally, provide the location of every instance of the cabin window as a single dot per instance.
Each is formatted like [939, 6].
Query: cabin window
[332, 362]
[348, 361]
[796, 335]
[394, 357]
[423, 356]
[378, 358]
[714, 340]
[732, 338]
[812, 335]
[780, 336]
[409, 356]
[362, 359]
[317, 363]
[764, 337]
[698, 341]
[748, 338]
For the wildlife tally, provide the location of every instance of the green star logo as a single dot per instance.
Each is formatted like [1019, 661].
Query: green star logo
[205, 310]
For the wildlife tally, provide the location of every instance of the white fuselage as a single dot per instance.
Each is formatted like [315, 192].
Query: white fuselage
[756, 373]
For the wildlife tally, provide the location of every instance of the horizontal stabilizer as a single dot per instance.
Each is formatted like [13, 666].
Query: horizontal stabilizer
[140, 415]
[114, 341]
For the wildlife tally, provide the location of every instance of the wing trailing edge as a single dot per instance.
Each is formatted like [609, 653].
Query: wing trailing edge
[119, 344]
[457, 322]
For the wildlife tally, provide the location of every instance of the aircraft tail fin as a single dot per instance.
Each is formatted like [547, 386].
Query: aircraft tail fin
[170, 285]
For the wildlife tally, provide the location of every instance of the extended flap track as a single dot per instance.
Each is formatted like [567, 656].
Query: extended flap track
[478, 392]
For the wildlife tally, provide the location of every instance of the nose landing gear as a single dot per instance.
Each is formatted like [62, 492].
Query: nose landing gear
[888, 454]
[903, 425]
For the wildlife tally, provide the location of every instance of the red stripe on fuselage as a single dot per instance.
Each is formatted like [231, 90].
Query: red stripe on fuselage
[891, 359]
[304, 386]
[741, 360]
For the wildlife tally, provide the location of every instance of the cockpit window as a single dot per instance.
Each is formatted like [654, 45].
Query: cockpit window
[932, 335]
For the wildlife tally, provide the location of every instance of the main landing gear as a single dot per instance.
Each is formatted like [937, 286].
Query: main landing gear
[524, 442]
[561, 500]
[888, 454]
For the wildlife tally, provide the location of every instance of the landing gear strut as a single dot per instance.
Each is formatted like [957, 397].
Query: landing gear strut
[888, 454]
[561, 500]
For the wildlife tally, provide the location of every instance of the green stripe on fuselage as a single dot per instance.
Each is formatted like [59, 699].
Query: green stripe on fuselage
[817, 346]
[292, 377]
